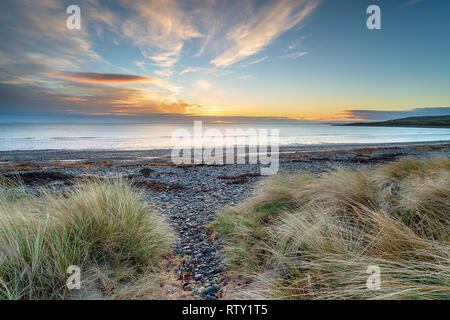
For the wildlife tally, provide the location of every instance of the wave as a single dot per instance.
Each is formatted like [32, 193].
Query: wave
[72, 138]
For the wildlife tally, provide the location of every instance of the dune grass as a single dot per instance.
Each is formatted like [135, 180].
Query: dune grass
[306, 237]
[104, 227]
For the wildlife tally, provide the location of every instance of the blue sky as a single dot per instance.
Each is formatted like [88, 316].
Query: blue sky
[302, 59]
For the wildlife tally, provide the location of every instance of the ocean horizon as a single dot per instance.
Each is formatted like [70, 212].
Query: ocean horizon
[148, 136]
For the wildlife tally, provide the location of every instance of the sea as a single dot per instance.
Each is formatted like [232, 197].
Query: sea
[146, 136]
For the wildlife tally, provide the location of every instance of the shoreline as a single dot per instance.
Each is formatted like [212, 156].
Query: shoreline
[77, 154]
[393, 126]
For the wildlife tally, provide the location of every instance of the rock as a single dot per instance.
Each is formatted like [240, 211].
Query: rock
[211, 289]
[215, 287]
[198, 276]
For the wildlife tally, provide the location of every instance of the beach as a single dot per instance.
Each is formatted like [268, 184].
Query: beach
[190, 196]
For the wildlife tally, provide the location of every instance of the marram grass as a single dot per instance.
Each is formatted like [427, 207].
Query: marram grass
[104, 227]
[305, 237]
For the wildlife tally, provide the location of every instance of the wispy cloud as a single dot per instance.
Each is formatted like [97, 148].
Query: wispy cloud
[245, 65]
[251, 37]
[160, 28]
[295, 55]
[191, 69]
[35, 37]
[245, 77]
[410, 3]
[257, 61]
[203, 85]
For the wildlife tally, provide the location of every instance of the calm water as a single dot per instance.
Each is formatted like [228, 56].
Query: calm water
[158, 136]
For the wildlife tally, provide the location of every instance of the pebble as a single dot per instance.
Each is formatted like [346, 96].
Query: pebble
[212, 289]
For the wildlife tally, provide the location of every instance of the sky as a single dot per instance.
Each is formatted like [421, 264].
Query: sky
[296, 59]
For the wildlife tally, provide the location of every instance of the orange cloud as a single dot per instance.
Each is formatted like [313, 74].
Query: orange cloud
[74, 99]
[101, 78]
[204, 110]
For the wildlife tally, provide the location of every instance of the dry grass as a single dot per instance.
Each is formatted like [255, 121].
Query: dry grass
[103, 227]
[306, 237]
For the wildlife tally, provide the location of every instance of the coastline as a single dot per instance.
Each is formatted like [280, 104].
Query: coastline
[118, 154]
[391, 125]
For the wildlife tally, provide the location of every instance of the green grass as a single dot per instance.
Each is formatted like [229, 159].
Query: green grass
[104, 227]
[304, 237]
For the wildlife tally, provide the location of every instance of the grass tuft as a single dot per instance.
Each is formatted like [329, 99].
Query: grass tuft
[104, 227]
[306, 237]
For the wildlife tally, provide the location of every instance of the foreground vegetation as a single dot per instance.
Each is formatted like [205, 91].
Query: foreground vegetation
[103, 227]
[313, 237]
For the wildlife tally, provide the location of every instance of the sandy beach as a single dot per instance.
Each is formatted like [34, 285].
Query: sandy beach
[189, 196]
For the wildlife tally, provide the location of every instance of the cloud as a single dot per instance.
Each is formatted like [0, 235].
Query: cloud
[191, 69]
[410, 3]
[102, 78]
[203, 85]
[28, 27]
[74, 99]
[257, 60]
[89, 98]
[382, 115]
[245, 77]
[251, 37]
[45, 66]
[159, 28]
[295, 55]
[36, 40]
[36, 46]
[254, 62]
[205, 110]
[207, 71]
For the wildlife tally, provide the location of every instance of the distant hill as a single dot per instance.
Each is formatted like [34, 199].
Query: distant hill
[435, 122]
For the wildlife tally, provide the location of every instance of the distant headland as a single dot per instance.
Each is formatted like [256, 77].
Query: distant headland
[431, 121]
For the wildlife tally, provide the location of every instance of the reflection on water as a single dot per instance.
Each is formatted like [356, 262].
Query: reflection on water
[158, 136]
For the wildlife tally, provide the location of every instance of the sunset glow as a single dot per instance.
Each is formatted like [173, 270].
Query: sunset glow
[301, 59]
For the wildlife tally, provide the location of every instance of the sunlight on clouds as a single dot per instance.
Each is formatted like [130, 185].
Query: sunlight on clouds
[251, 37]
[161, 25]
[205, 110]
[191, 69]
[101, 78]
[57, 69]
[203, 85]
[74, 99]
[216, 57]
